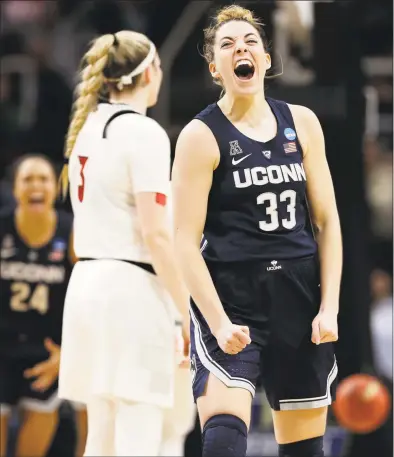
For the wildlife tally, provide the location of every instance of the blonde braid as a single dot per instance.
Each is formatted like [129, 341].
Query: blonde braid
[87, 94]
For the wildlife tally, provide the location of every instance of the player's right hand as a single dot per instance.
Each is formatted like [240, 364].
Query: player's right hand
[233, 338]
[46, 372]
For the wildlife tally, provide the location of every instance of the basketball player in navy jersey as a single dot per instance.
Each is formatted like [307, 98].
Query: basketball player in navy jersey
[264, 291]
[36, 261]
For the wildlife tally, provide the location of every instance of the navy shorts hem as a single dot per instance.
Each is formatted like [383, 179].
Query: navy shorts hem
[293, 378]
[17, 391]
[218, 363]
[296, 404]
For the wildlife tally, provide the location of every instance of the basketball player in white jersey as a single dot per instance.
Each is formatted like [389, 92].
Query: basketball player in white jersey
[118, 344]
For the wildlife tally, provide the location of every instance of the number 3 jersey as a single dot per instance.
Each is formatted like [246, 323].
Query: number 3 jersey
[33, 282]
[257, 206]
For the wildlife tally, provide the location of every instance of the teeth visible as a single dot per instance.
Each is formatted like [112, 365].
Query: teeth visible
[36, 198]
[243, 62]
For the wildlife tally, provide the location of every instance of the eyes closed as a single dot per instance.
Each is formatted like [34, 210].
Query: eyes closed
[226, 44]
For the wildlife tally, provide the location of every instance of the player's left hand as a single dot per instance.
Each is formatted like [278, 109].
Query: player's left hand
[45, 372]
[325, 327]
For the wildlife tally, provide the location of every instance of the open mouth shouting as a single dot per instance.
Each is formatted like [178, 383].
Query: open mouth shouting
[244, 69]
[36, 200]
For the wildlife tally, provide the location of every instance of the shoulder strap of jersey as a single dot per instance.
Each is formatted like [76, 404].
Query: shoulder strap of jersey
[282, 111]
[114, 116]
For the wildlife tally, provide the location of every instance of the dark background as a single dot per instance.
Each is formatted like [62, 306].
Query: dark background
[337, 60]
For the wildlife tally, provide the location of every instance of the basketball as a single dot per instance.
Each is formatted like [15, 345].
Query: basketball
[362, 403]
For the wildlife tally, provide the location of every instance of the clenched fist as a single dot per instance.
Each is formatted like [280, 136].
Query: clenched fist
[233, 338]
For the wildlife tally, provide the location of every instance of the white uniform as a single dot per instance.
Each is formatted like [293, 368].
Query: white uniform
[118, 328]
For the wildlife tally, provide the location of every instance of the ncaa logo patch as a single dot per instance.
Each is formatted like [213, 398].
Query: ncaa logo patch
[290, 134]
[266, 154]
[59, 247]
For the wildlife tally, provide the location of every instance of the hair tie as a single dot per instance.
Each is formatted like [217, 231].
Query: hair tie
[65, 160]
[116, 41]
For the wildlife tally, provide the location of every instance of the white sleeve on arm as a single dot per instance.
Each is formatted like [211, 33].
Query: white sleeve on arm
[150, 158]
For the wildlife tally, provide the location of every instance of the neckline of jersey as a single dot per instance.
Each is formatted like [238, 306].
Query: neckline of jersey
[248, 137]
[119, 105]
[24, 241]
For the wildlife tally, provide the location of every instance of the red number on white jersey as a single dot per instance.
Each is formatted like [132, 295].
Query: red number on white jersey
[81, 187]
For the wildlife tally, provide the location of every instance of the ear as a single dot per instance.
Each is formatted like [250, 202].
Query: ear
[147, 78]
[212, 69]
[268, 60]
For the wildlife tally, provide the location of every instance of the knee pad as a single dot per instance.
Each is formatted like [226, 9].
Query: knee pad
[224, 435]
[305, 448]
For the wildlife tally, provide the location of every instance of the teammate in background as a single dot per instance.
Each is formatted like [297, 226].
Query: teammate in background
[244, 171]
[119, 335]
[36, 261]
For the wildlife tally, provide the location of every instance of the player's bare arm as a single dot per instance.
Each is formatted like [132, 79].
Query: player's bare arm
[196, 158]
[321, 198]
[157, 237]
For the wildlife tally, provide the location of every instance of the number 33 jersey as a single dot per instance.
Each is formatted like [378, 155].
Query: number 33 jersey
[33, 282]
[257, 207]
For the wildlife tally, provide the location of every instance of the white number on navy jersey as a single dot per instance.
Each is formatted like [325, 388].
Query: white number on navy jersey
[288, 196]
[271, 211]
[23, 299]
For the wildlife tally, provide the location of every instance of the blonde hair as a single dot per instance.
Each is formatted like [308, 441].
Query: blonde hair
[224, 15]
[108, 59]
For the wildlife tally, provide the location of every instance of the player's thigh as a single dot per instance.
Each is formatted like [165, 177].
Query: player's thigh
[179, 420]
[300, 384]
[292, 426]
[4, 418]
[101, 414]
[222, 383]
[81, 420]
[220, 399]
[138, 428]
[36, 433]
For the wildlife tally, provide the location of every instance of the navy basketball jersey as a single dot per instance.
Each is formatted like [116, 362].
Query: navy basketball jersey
[257, 205]
[33, 282]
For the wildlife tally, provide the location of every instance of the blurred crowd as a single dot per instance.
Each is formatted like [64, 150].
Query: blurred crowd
[41, 44]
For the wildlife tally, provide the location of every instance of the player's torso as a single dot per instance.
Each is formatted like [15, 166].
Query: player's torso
[257, 204]
[33, 282]
[105, 220]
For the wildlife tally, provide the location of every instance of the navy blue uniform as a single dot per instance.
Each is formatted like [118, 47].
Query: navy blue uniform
[260, 250]
[33, 288]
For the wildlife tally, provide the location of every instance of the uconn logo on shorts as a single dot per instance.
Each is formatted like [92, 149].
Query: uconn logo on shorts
[274, 266]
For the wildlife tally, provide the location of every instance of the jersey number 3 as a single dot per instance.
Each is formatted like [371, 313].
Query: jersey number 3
[288, 196]
[81, 187]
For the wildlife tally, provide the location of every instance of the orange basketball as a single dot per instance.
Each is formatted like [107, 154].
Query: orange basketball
[362, 403]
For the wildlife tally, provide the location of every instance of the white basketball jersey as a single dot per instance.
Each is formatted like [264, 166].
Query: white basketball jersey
[105, 175]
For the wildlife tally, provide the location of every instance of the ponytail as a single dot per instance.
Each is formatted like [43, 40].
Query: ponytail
[87, 95]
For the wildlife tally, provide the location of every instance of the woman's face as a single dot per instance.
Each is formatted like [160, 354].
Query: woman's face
[240, 60]
[35, 185]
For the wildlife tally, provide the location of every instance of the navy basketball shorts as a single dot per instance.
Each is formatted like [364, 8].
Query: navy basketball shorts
[278, 301]
[15, 389]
